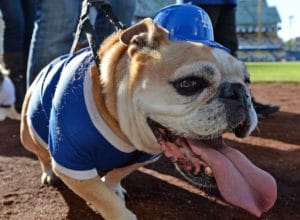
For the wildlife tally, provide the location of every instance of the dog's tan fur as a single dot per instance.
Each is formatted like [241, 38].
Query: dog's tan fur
[142, 51]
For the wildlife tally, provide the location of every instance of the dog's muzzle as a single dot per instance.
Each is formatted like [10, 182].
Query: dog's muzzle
[209, 162]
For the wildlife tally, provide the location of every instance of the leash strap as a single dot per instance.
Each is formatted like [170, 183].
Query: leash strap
[85, 25]
[107, 9]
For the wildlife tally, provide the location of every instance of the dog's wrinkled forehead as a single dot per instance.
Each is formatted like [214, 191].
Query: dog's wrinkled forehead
[187, 60]
[205, 69]
[231, 68]
[151, 51]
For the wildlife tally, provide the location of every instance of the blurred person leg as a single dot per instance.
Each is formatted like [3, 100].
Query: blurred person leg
[124, 10]
[18, 28]
[146, 9]
[53, 33]
[224, 25]
[29, 8]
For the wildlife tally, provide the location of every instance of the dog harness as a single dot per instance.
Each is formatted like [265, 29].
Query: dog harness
[64, 116]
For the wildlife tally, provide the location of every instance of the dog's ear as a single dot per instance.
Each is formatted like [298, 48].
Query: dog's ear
[145, 34]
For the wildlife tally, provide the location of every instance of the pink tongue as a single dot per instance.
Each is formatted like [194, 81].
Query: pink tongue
[239, 181]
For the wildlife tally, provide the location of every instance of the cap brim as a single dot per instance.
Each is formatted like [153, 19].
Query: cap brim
[205, 42]
[215, 44]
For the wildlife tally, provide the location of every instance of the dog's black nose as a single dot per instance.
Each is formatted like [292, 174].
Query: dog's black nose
[233, 91]
[237, 103]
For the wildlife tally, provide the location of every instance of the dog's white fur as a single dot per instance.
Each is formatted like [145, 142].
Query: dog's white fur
[136, 72]
[7, 97]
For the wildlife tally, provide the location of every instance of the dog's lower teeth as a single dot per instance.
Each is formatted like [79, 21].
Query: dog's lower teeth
[208, 171]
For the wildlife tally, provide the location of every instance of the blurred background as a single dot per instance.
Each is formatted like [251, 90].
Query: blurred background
[268, 30]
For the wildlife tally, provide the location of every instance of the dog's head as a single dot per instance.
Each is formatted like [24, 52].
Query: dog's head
[180, 97]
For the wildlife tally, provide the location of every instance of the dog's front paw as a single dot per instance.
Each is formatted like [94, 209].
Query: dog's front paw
[48, 177]
[115, 187]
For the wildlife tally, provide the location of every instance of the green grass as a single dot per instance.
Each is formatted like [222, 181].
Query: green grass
[274, 71]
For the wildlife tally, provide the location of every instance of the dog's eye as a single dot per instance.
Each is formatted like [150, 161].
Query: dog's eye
[190, 86]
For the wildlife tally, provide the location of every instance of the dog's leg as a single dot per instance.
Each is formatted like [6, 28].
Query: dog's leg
[100, 196]
[31, 144]
[113, 178]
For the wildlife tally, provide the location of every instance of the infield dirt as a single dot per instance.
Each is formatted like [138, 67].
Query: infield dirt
[158, 191]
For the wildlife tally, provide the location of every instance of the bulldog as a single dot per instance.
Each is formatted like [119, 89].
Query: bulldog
[150, 95]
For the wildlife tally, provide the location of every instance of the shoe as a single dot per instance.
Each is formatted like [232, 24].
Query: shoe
[264, 110]
[1, 77]
[15, 63]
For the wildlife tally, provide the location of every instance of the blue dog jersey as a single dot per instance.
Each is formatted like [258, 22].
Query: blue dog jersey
[63, 115]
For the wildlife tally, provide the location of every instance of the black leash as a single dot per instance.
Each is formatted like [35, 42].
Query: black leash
[85, 25]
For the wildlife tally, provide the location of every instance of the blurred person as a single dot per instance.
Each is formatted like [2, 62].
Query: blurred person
[124, 10]
[53, 33]
[222, 15]
[18, 17]
[146, 8]
[55, 27]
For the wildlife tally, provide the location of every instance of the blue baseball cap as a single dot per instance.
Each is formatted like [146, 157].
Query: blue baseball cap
[186, 22]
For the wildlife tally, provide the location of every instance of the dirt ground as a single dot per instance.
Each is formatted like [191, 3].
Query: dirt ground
[158, 191]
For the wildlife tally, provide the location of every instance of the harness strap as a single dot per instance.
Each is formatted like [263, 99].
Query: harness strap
[107, 9]
[85, 25]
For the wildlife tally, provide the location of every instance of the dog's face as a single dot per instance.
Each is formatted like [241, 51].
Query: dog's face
[187, 88]
[180, 97]
[194, 92]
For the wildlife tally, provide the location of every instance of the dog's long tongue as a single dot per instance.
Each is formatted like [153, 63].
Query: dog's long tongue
[239, 181]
